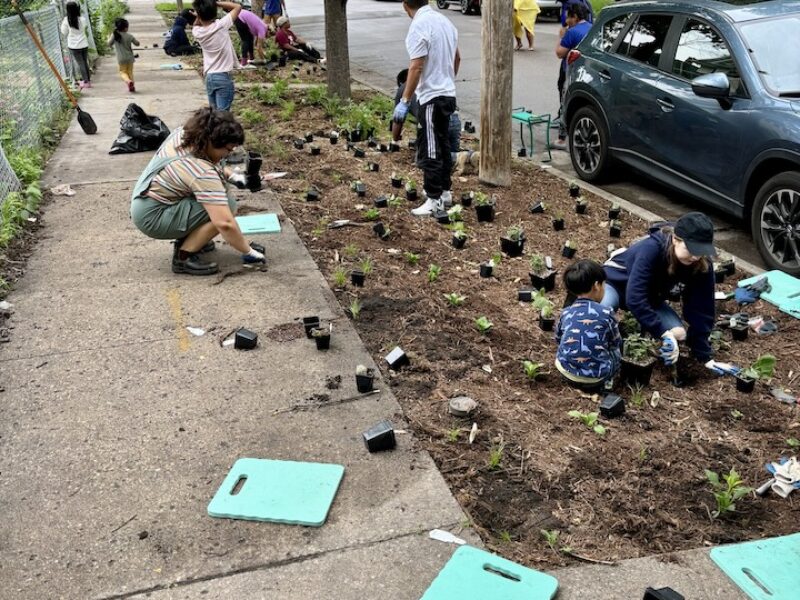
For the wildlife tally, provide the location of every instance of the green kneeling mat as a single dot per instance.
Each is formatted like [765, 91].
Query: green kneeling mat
[764, 569]
[259, 223]
[279, 491]
[472, 574]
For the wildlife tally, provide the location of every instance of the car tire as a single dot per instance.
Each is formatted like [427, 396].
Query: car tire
[442, 4]
[588, 144]
[775, 226]
[465, 7]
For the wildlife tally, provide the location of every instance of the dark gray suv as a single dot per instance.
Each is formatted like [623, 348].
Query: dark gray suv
[703, 96]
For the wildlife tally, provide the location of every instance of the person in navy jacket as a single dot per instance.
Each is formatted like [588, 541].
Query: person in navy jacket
[640, 278]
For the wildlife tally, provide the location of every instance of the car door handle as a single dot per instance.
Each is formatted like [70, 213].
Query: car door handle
[605, 75]
[666, 105]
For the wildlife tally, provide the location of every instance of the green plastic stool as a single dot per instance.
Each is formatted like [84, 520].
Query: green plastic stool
[525, 117]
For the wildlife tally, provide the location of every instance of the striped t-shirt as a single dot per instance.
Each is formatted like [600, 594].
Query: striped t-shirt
[188, 176]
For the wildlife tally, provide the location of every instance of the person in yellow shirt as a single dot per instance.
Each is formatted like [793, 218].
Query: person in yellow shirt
[525, 13]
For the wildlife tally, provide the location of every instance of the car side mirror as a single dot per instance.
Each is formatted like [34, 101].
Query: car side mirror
[712, 85]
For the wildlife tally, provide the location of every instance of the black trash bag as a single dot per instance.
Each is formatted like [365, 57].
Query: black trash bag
[139, 132]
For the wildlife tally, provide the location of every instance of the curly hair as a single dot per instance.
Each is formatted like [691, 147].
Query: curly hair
[217, 127]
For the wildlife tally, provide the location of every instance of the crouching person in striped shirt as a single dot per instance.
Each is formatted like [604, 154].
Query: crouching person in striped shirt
[183, 194]
[588, 338]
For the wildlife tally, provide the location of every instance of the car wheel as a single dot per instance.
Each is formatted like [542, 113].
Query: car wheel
[588, 144]
[442, 4]
[775, 222]
[465, 7]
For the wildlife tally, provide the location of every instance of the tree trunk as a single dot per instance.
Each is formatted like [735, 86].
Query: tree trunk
[180, 5]
[496, 77]
[257, 9]
[338, 53]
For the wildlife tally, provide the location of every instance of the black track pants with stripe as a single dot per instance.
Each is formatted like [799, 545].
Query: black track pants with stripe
[433, 144]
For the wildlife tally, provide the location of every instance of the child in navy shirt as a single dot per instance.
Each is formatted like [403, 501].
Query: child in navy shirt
[588, 338]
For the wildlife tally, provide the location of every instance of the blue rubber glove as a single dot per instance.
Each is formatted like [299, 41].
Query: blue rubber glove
[669, 350]
[745, 296]
[400, 112]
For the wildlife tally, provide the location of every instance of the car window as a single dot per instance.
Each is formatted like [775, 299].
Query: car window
[701, 50]
[609, 32]
[644, 41]
[772, 43]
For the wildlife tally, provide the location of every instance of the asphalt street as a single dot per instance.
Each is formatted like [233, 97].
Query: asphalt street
[377, 30]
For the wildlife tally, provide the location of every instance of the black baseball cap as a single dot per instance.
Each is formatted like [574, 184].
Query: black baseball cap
[697, 232]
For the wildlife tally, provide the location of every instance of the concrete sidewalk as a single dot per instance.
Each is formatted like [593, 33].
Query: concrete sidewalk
[117, 426]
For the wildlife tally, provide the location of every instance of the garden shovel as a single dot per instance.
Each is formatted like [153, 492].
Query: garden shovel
[84, 119]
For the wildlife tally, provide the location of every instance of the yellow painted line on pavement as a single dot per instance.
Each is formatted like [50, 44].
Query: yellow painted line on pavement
[176, 311]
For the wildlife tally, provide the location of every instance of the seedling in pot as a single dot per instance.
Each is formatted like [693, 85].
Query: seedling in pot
[381, 201]
[394, 147]
[359, 153]
[537, 207]
[459, 236]
[357, 278]
[569, 249]
[455, 299]
[371, 214]
[513, 243]
[729, 266]
[486, 269]
[394, 201]
[574, 189]
[558, 222]
[372, 142]
[613, 212]
[726, 494]
[456, 213]
[541, 276]
[411, 190]
[365, 379]
[312, 194]
[469, 127]
[615, 229]
[397, 180]
[411, 258]
[761, 370]
[637, 360]
[533, 370]
[718, 342]
[333, 136]
[372, 167]
[383, 147]
[299, 143]
[546, 319]
[322, 336]
[315, 151]
[484, 208]
[359, 188]
[720, 273]
[483, 324]
[467, 198]
[355, 308]
[310, 323]
[522, 153]
[589, 420]
[339, 277]
[433, 273]
[309, 137]
[581, 204]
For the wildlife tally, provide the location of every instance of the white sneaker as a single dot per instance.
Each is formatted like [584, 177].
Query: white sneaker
[426, 209]
[447, 199]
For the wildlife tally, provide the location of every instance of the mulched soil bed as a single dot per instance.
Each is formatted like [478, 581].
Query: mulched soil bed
[638, 490]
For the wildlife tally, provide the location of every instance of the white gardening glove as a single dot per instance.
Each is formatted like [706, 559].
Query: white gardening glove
[787, 477]
[721, 368]
[669, 348]
[239, 180]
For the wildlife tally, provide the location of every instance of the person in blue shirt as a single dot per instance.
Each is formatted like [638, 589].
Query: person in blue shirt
[177, 42]
[588, 338]
[579, 26]
[640, 278]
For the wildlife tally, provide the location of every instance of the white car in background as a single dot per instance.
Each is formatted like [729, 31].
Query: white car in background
[550, 8]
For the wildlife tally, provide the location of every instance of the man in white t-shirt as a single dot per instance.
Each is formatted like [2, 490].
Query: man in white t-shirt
[432, 44]
[219, 57]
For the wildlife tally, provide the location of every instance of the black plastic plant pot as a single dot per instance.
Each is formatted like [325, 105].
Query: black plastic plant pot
[580, 208]
[381, 202]
[334, 138]
[442, 217]
[372, 143]
[412, 144]
[379, 229]
[466, 199]
[254, 162]
[373, 167]
[309, 137]
[459, 241]
[361, 190]
[322, 336]
[274, 57]
[350, 146]
[665, 593]
[613, 213]
[384, 237]
[394, 147]
[299, 143]
[486, 270]
[310, 323]
[365, 382]
[574, 190]
[253, 182]
[615, 231]
[547, 323]
[612, 406]
[745, 384]
[245, 339]
[567, 252]
[357, 278]
[312, 195]
[359, 153]
[411, 195]
[355, 135]
[729, 266]
[469, 127]
[739, 332]
[383, 148]
[484, 212]
[636, 373]
[525, 294]
[397, 182]
[546, 282]
[558, 224]
[397, 359]
[380, 437]
[511, 247]
[315, 150]
[282, 60]
[719, 275]
[522, 153]
[537, 208]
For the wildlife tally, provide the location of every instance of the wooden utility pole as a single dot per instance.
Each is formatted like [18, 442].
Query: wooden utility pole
[497, 62]
[336, 47]
[179, 4]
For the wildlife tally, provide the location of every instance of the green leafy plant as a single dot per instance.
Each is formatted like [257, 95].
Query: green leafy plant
[539, 300]
[433, 273]
[316, 94]
[482, 199]
[411, 258]
[546, 312]
[637, 395]
[372, 214]
[762, 368]
[455, 299]
[551, 537]
[571, 245]
[589, 420]
[726, 494]
[395, 201]
[332, 106]
[496, 455]
[533, 370]
[249, 117]
[321, 227]
[515, 233]
[272, 95]
[288, 108]
[643, 454]
[483, 324]
[505, 537]
[737, 414]
[793, 442]
[351, 251]
[452, 435]
[367, 266]
[340, 277]
[456, 213]
[411, 185]
[355, 308]
[718, 341]
[538, 265]
[637, 348]
[496, 259]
